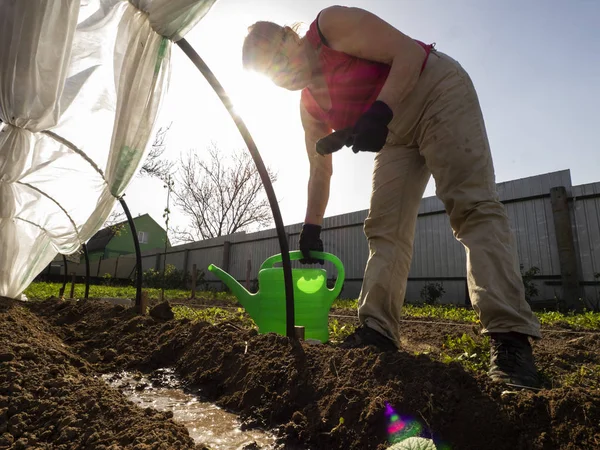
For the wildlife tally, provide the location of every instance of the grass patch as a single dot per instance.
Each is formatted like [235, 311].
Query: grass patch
[587, 320]
[337, 332]
[214, 315]
[42, 291]
[443, 312]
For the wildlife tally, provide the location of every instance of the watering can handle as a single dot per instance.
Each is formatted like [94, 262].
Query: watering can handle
[297, 254]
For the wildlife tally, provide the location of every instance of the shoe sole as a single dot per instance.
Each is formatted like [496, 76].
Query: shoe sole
[514, 385]
[519, 386]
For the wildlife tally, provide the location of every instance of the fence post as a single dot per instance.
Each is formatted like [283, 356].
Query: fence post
[248, 270]
[194, 276]
[226, 248]
[143, 306]
[61, 292]
[567, 255]
[116, 266]
[186, 256]
[157, 262]
[72, 285]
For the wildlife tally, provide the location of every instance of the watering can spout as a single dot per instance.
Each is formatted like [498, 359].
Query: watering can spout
[237, 289]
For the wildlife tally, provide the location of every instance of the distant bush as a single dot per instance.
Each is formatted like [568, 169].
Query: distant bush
[432, 293]
[531, 289]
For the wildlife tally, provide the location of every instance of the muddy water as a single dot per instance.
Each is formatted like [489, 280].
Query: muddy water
[206, 423]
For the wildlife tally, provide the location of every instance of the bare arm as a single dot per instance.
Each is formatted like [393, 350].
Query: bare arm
[321, 168]
[360, 33]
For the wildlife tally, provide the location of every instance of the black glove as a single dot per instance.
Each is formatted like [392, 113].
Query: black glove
[310, 239]
[370, 131]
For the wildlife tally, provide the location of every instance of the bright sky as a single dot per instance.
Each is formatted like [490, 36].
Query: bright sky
[535, 65]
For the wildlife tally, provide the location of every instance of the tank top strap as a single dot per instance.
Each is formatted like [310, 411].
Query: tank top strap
[314, 34]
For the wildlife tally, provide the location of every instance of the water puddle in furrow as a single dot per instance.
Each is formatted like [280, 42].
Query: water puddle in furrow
[207, 423]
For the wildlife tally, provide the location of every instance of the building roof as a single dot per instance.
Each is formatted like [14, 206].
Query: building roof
[100, 240]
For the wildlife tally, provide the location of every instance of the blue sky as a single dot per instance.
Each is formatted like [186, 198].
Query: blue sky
[535, 65]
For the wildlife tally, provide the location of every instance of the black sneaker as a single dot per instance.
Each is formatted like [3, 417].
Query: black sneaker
[511, 360]
[364, 336]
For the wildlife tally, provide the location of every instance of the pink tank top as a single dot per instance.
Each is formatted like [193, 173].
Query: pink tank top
[353, 83]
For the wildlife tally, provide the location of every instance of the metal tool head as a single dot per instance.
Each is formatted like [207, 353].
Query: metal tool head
[335, 141]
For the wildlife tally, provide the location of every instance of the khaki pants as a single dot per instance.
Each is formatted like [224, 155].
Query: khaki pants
[439, 129]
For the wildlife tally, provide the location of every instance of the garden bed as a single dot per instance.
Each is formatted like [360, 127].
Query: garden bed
[313, 396]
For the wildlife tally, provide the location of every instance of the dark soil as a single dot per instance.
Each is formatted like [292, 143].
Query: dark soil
[50, 397]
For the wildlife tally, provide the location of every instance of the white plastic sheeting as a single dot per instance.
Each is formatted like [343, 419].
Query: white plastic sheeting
[80, 88]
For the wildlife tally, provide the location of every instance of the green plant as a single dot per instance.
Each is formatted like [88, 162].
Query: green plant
[43, 291]
[473, 355]
[587, 376]
[107, 279]
[432, 293]
[588, 320]
[443, 312]
[214, 315]
[331, 284]
[345, 304]
[531, 289]
[339, 332]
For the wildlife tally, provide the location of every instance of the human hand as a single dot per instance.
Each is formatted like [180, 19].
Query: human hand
[370, 131]
[310, 239]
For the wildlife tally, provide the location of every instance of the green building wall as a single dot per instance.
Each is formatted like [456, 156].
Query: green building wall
[122, 242]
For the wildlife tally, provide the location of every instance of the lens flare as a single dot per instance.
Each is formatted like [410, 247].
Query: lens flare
[400, 428]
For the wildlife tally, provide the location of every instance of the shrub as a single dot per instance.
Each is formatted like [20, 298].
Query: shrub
[431, 293]
[531, 289]
[331, 284]
[107, 279]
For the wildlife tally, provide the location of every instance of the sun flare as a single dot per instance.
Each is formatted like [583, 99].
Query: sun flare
[270, 112]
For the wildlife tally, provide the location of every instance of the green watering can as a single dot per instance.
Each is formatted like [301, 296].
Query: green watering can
[312, 298]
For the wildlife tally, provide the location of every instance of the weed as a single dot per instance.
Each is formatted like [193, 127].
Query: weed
[471, 354]
[337, 332]
[345, 304]
[585, 376]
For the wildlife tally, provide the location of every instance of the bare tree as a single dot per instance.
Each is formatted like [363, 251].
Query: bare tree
[116, 220]
[155, 165]
[220, 198]
[115, 216]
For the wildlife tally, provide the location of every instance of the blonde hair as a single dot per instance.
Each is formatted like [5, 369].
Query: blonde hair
[264, 35]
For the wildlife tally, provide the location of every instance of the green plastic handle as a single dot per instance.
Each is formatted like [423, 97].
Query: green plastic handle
[297, 254]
